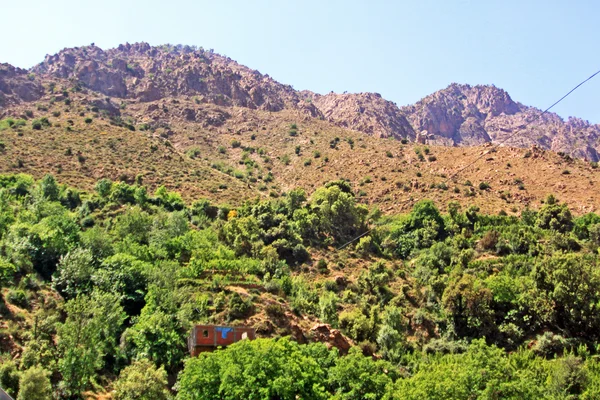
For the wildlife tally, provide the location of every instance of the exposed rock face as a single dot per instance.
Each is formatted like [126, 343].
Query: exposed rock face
[16, 86]
[147, 73]
[463, 115]
[364, 112]
[331, 337]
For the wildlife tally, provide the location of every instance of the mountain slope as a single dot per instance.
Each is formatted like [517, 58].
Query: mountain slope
[206, 126]
[473, 115]
[460, 115]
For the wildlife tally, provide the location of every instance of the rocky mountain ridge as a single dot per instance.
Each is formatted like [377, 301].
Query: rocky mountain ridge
[459, 115]
[473, 115]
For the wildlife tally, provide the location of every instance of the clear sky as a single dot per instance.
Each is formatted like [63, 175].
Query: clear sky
[536, 50]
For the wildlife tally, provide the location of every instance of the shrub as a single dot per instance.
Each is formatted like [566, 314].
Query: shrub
[235, 144]
[9, 376]
[88, 120]
[18, 298]
[389, 154]
[35, 384]
[307, 162]
[142, 380]
[193, 152]
[484, 186]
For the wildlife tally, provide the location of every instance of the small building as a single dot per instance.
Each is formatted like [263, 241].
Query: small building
[209, 337]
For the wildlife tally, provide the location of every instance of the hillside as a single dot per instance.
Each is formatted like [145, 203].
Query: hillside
[378, 252]
[200, 123]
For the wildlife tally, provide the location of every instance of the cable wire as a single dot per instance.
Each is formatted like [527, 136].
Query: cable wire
[495, 146]
[518, 131]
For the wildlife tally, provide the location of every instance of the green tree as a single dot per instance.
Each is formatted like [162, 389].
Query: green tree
[467, 300]
[328, 308]
[74, 273]
[142, 380]
[338, 214]
[157, 336]
[35, 384]
[569, 285]
[555, 216]
[49, 188]
[9, 376]
[126, 276]
[89, 333]
[104, 187]
[357, 377]
[257, 369]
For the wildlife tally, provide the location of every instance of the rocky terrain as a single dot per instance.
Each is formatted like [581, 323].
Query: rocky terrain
[460, 115]
[463, 115]
[206, 126]
[365, 112]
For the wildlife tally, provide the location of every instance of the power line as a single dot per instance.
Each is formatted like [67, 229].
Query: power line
[518, 131]
[495, 146]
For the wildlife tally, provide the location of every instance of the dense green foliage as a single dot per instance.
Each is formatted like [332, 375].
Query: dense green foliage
[99, 290]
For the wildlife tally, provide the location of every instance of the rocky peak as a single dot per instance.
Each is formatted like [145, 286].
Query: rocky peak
[474, 115]
[18, 85]
[364, 112]
[142, 72]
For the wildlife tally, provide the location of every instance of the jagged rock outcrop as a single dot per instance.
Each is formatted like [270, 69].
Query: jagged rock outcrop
[464, 115]
[324, 333]
[139, 71]
[18, 85]
[365, 112]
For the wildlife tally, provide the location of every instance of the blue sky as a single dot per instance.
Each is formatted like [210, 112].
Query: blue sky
[536, 50]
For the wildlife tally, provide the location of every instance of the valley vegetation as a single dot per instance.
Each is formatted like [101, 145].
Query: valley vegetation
[101, 288]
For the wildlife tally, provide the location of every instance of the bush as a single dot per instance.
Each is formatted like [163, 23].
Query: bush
[235, 144]
[18, 298]
[35, 384]
[88, 120]
[9, 376]
[484, 186]
[261, 368]
[142, 380]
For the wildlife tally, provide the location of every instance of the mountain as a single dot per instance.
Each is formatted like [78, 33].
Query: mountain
[206, 126]
[364, 112]
[460, 115]
[147, 73]
[463, 115]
